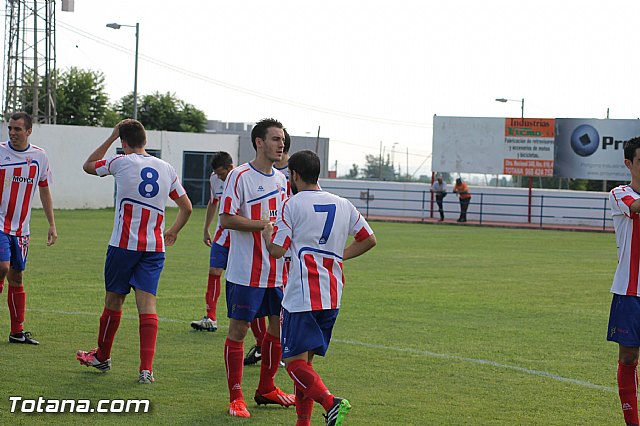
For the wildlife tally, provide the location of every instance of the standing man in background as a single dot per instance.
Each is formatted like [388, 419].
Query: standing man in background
[222, 164]
[439, 188]
[24, 167]
[462, 189]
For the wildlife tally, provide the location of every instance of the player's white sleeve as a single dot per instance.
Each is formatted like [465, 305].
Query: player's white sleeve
[358, 226]
[232, 196]
[282, 229]
[621, 199]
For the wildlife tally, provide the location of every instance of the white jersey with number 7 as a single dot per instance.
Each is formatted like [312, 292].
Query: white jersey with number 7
[315, 225]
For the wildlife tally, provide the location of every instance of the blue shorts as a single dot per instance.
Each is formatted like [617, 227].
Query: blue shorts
[14, 250]
[246, 303]
[301, 332]
[124, 269]
[218, 256]
[624, 321]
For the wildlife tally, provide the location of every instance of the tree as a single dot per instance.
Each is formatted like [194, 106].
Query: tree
[353, 173]
[163, 112]
[378, 168]
[81, 98]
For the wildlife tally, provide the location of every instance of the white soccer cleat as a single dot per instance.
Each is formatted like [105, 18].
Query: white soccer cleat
[146, 377]
[205, 324]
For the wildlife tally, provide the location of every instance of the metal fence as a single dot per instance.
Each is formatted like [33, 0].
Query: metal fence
[541, 209]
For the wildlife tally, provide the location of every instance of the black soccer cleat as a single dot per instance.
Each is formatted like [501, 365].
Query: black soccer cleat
[23, 337]
[253, 356]
[336, 414]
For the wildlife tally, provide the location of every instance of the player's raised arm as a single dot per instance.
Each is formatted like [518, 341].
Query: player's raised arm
[89, 165]
[185, 209]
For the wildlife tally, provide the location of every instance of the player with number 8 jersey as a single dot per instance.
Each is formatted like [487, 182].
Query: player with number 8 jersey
[135, 256]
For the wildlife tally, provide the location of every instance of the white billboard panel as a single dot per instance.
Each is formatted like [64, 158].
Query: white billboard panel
[468, 145]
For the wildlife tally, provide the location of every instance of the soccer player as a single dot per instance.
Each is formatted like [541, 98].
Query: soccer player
[222, 164]
[259, 325]
[24, 167]
[624, 327]
[135, 256]
[314, 225]
[253, 195]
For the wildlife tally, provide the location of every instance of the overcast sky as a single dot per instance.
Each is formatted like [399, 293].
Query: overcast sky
[366, 72]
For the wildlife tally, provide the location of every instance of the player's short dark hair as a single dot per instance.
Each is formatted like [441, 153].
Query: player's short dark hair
[21, 115]
[287, 141]
[630, 147]
[221, 159]
[132, 132]
[260, 129]
[306, 164]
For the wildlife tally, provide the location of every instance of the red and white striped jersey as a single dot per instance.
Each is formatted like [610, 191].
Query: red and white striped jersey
[627, 226]
[20, 173]
[315, 226]
[285, 172]
[257, 196]
[143, 185]
[221, 236]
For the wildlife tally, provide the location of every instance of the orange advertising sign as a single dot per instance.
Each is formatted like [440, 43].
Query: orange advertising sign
[529, 146]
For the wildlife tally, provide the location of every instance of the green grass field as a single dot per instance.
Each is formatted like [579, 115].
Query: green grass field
[440, 325]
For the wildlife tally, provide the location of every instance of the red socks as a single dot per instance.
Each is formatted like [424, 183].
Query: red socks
[259, 329]
[233, 361]
[304, 408]
[109, 323]
[269, 363]
[212, 295]
[16, 300]
[310, 383]
[148, 334]
[628, 391]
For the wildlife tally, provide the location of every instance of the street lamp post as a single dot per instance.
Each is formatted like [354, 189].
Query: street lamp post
[530, 178]
[116, 26]
[514, 100]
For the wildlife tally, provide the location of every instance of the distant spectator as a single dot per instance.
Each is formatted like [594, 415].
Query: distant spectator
[439, 188]
[462, 189]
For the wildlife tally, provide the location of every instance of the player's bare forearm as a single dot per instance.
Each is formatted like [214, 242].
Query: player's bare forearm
[100, 152]
[635, 206]
[208, 219]
[241, 223]
[47, 205]
[273, 249]
[356, 248]
[184, 212]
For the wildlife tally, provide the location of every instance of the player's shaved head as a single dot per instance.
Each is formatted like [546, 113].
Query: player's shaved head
[306, 164]
[132, 132]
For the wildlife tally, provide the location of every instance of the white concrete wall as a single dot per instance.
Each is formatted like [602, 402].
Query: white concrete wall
[494, 204]
[69, 146]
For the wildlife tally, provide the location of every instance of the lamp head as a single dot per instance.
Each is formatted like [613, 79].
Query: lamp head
[114, 26]
[501, 100]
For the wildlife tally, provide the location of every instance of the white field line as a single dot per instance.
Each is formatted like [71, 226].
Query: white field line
[412, 351]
